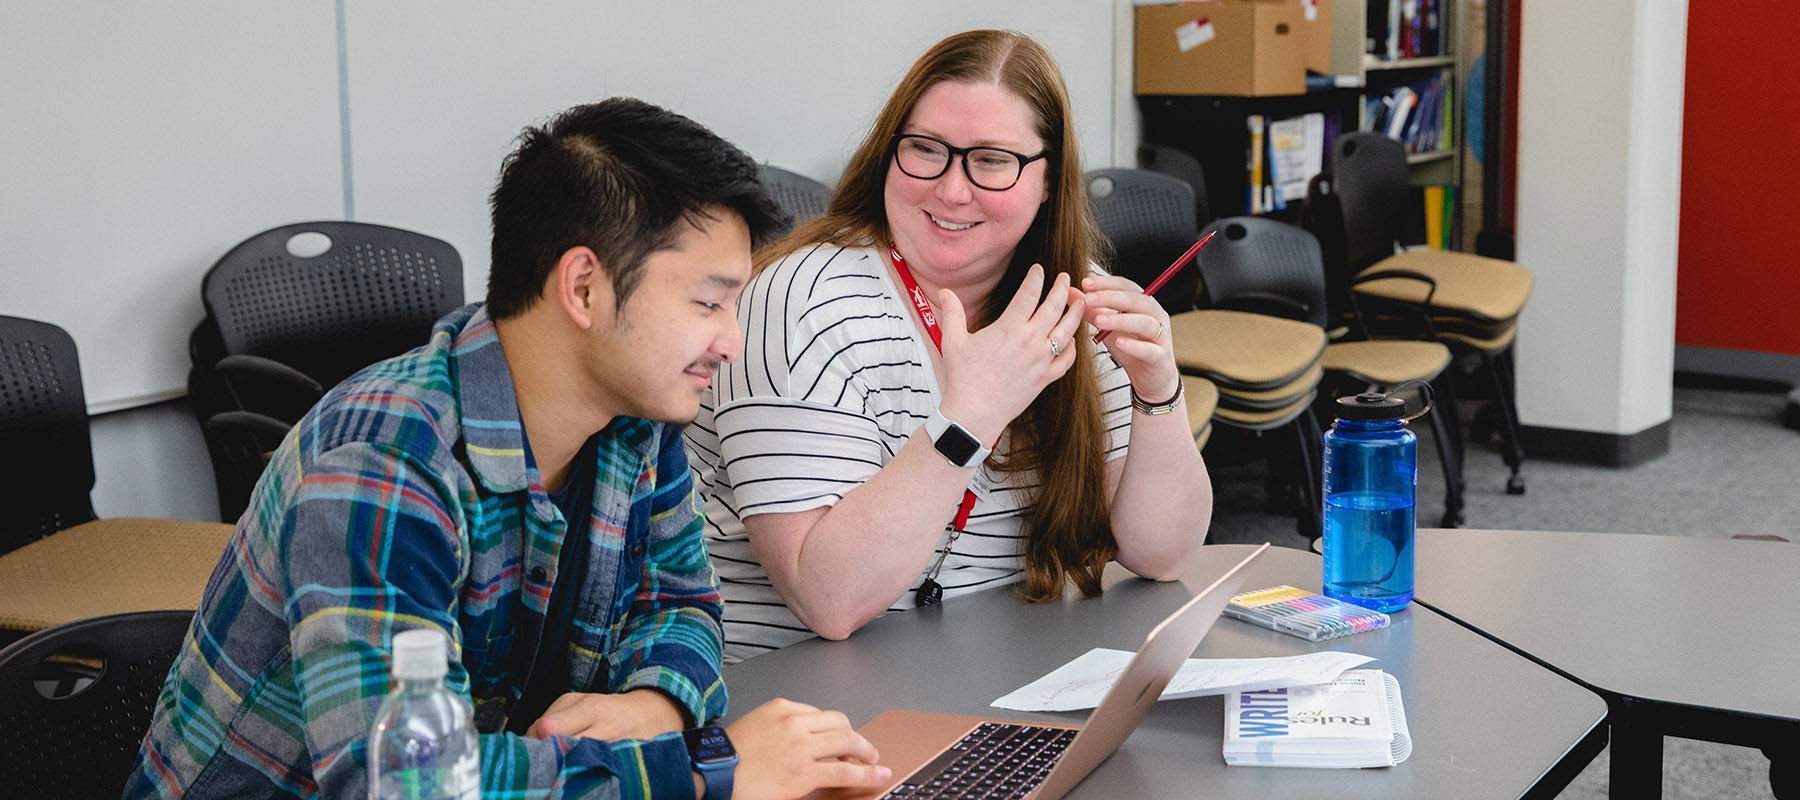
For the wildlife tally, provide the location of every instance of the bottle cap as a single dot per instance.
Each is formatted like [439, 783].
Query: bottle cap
[1371, 407]
[421, 653]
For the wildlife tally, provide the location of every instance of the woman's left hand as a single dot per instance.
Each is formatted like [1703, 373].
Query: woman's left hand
[1139, 340]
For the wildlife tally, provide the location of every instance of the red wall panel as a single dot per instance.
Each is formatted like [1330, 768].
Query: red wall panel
[1738, 275]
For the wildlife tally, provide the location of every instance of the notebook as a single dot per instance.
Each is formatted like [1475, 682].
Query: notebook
[939, 754]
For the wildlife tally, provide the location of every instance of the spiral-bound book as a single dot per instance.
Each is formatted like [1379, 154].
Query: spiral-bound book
[1353, 722]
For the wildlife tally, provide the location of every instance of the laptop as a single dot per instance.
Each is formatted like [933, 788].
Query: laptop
[950, 755]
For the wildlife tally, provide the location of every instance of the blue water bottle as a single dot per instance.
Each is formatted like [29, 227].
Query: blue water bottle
[1371, 473]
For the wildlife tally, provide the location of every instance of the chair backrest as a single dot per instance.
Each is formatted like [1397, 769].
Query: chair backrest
[372, 293]
[43, 433]
[1253, 255]
[801, 197]
[1177, 163]
[84, 744]
[1370, 181]
[1148, 218]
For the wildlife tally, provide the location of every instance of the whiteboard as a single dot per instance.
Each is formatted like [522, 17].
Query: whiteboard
[138, 142]
[440, 88]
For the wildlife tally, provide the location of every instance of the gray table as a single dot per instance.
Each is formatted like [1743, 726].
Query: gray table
[1485, 722]
[1685, 637]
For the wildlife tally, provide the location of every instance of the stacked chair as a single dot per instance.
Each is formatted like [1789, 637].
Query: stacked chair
[79, 740]
[1266, 370]
[801, 197]
[1258, 371]
[1261, 265]
[285, 322]
[1468, 302]
[58, 563]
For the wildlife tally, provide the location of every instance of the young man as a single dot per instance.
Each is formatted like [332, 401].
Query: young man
[520, 484]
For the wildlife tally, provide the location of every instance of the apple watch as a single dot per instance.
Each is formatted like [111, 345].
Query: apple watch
[713, 757]
[957, 446]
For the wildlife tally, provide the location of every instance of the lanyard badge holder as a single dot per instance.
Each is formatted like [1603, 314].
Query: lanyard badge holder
[931, 592]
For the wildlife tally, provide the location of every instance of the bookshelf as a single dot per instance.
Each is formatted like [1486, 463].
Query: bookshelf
[1214, 127]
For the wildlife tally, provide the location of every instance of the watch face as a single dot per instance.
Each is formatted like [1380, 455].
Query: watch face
[708, 745]
[957, 445]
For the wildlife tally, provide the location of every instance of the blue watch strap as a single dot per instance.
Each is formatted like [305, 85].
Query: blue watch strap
[712, 755]
[717, 778]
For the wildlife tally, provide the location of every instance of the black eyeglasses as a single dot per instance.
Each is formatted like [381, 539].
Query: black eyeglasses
[991, 168]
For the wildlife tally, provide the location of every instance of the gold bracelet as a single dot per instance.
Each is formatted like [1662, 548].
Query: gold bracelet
[1154, 409]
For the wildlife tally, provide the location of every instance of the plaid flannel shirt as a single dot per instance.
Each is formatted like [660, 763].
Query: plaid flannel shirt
[403, 500]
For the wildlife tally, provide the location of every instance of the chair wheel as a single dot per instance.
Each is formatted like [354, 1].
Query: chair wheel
[1515, 484]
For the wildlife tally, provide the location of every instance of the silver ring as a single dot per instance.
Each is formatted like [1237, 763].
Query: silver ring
[1055, 349]
[1159, 329]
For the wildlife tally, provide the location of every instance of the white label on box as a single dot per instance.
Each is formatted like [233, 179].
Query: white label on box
[1311, 9]
[1193, 33]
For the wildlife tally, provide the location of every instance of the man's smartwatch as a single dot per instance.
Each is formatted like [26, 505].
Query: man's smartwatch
[713, 757]
[957, 446]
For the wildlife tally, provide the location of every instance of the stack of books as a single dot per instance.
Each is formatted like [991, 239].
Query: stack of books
[1354, 722]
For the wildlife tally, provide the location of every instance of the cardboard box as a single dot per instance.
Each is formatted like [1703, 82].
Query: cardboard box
[1315, 35]
[1235, 47]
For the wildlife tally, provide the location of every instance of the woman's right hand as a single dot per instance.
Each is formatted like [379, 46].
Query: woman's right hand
[992, 375]
[787, 749]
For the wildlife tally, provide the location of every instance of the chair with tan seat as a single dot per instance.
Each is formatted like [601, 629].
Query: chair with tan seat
[60, 563]
[1276, 268]
[1266, 372]
[1202, 399]
[1470, 303]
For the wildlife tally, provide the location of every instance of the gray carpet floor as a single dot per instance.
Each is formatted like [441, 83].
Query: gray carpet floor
[1731, 469]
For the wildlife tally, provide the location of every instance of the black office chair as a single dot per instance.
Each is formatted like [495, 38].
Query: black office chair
[1176, 163]
[43, 433]
[801, 197]
[57, 561]
[1468, 302]
[1148, 221]
[1266, 266]
[284, 324]
[103, 677]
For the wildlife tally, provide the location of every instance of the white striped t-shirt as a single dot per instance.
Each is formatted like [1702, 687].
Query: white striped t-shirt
[835, 378]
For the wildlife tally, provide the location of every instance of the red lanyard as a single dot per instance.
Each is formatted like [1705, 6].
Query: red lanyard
[929, 317]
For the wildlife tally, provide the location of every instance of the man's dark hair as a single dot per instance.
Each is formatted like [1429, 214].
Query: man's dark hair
[617, 176]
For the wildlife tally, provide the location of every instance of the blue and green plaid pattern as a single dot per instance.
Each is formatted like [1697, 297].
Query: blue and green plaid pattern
[403, 500]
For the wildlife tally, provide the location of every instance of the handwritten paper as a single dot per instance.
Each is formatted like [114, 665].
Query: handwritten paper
[1083, 683]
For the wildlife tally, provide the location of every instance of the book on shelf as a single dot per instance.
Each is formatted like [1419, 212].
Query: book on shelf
[1356, 721]
[1283, 157]
[1254, 163]
[1416, 114]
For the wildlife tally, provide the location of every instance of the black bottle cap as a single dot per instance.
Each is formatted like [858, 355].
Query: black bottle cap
[1370, 407]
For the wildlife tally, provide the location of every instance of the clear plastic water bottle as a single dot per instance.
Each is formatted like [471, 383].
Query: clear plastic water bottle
[1371, 477]
[423, 745]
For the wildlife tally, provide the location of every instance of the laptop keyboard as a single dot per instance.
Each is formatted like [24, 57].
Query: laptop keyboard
[995, 761]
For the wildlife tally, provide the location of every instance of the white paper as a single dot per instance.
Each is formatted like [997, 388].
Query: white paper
[1193, 33]
[1083, 683]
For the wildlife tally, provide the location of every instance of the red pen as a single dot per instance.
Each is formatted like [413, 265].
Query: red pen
[1168, 273]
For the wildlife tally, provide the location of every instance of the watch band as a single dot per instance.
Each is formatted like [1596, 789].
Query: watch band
[1154, 409]
[953, 442]
[711, 753]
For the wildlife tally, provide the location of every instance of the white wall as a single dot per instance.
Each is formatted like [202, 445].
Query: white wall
[140, 143]
[1599, 187]
[439, 88]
